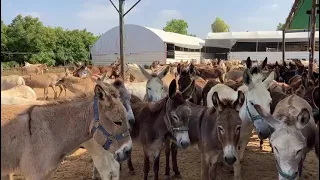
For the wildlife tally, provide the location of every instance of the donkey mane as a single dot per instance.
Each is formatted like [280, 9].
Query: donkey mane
[157, 106]
[118, 82]
[153, 74]
[228, 102]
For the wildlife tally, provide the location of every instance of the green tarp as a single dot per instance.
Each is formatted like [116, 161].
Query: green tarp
[301, 18]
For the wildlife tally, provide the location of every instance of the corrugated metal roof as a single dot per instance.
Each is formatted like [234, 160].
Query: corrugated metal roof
[262, 35]
[179, 39]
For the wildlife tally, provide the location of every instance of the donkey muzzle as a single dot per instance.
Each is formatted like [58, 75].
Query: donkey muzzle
[123, 155]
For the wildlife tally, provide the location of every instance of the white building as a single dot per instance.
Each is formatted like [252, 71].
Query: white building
[144, 45]
[261, 44]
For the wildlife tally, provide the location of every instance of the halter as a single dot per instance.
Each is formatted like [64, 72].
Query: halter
[169, 125]
[287, 176]
[252, 117]
[110, 138]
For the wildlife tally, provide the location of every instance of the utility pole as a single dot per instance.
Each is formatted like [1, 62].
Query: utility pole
[121, 31]
[313, 17]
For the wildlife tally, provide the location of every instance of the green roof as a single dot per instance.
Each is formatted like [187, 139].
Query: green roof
[301, 18]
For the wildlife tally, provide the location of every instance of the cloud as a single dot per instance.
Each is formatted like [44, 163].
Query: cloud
[98, 17]
[33, 14]
[164, 16]
[274, 6]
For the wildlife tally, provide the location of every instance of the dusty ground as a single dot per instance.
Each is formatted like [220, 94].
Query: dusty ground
[258, 164]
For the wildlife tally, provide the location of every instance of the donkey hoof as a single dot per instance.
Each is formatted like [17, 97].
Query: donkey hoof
[178, 176]
[132, 172]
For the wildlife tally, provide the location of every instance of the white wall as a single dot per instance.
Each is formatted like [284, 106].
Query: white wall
[142, 46]
[142, 59]
[181, 55]
[272, 56]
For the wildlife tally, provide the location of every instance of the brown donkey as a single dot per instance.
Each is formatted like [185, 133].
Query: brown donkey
[219, 132]
[206, 121]
[34, 143]
[168, 117]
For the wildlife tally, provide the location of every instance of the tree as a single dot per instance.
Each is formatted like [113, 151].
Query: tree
[44, 44]
[177, 26]
[192, 35]
[219, 26]
[280, 26]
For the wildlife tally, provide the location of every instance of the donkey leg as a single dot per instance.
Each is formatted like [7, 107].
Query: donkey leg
[241, 148]
[261, 143]
[130, 166]
[146, 166]
[174, 151]
[167, 152]
[204, 167]
[95, 173]
[61, 89]
[156, 166]
[213, 167]
[54, 90]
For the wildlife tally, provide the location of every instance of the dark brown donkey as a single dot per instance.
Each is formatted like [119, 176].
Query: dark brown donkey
[207, 120]
[186, 74]
[154, 122]
[219, 132]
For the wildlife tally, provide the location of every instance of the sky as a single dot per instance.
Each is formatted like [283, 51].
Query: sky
[98, 16]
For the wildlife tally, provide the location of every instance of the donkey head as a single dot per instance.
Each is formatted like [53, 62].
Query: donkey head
[111, 132]
[287, 140]
[154, 86]
[228, 124]
[178, 113]
[256, 91]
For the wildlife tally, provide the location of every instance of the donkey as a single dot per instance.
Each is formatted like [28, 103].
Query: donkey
[155, 122]
[185, 77]
[97, 152]
[219, 132]
[40, 143]
[294, 134]
[155, 89]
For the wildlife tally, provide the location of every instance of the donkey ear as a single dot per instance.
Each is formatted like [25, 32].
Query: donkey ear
[172, 88]
[100, 93]
[304, 80]
[273, 122]
[303, 118]
[277, 63]
[263, 64]
[268, 81]
[191, 69]
[315, 97]
[237, 104]
[187, 93]
[216, 102]
[144, 72]
[247, 77]
[249, 62]
[178, 68]
[164, 72]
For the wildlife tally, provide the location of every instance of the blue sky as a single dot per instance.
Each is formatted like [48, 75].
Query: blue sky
[98, 16]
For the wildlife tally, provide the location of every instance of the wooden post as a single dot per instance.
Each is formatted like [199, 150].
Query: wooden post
[312, 39]
[283, 45]
[121, 27]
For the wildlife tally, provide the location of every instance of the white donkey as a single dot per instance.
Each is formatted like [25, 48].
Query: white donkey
[294, 134]
[255, 88]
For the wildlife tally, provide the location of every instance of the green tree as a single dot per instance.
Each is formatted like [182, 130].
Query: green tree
[280, 26]
[179, 26]
[192, 35]
[3, 35]
[219, 26]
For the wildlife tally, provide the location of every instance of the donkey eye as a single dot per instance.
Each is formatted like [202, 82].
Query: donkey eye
[298, 152]
[238, 129]
[221, 130]
[149, 88]
[276, 149]
[118, 123]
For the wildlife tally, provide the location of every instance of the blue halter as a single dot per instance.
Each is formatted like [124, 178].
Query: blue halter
[110, 138]
[287, 176]
[252, 117]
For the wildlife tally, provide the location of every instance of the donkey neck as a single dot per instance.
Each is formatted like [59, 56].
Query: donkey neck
[67, 124]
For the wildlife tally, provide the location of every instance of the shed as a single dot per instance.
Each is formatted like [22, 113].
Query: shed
[143, 45]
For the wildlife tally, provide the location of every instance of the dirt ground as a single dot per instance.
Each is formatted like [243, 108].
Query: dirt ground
[258, 164]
